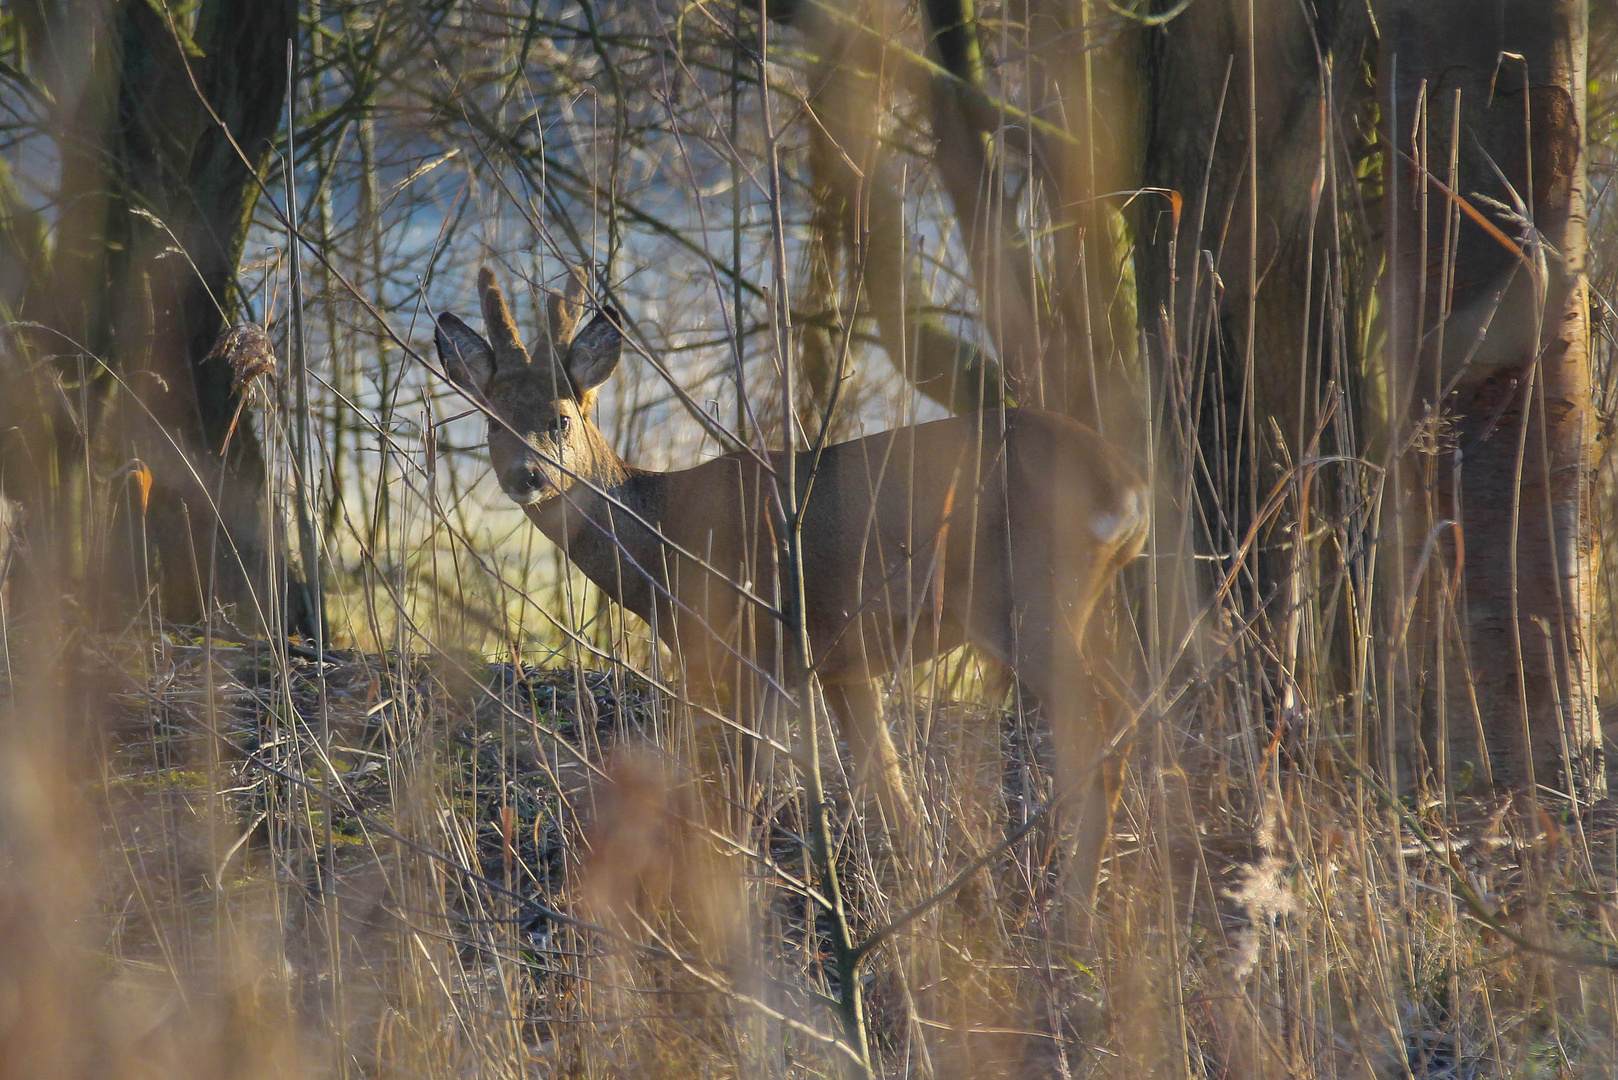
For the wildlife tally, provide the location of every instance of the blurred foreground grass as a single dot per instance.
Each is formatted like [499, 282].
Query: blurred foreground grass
[217, 860]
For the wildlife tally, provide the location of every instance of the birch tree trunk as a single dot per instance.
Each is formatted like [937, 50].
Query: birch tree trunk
[1487, 311]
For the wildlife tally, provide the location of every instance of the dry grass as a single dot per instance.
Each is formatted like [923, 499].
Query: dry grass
[221, 861]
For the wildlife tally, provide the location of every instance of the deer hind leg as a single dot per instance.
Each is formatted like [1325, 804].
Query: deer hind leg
[1088, 779]
[1040, 642]
[857, 705]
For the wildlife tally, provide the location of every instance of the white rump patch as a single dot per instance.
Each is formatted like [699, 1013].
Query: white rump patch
[1112, 526]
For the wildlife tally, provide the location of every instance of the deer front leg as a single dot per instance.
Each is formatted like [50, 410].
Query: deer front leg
[728, 715]
[858, 708]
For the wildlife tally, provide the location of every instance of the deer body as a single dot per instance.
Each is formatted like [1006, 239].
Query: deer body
[996, 530]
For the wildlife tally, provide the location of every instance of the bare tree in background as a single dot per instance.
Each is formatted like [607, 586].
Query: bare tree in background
[161, 117]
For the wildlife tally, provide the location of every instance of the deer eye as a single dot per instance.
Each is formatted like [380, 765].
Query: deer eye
[560, 425]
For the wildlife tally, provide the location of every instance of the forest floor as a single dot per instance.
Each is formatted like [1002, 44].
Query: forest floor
[465, 867]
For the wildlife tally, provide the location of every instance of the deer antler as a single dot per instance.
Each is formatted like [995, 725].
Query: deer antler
[498, 324]
[565, 309]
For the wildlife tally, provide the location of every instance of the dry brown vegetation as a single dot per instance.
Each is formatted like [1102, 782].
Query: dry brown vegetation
[222, 861]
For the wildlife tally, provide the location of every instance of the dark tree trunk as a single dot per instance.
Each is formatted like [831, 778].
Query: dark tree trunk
[1244, 312]
[1257, 118]
[148, 173]
[1489, 343]
[1086, 72]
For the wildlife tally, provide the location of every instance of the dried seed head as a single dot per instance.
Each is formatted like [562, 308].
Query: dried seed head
[246, 347]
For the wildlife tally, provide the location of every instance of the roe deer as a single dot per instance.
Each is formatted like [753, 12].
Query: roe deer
[990, 529]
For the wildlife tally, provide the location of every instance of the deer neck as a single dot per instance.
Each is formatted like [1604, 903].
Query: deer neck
[607, 523]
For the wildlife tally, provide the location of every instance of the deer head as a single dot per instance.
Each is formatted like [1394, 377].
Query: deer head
[541, 437]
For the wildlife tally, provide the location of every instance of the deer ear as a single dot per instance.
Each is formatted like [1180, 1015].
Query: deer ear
[465, 355]
[595, 351]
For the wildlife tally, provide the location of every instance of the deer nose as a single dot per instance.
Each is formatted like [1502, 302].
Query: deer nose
[527, 479]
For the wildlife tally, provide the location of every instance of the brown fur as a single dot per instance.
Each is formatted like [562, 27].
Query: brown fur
[996, 530]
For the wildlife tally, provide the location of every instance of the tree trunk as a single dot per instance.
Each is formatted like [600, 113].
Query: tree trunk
[1244, 302]
[1489, 344]
[997, 248]
[148, 174]
[853, 172]
[1084, 69]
